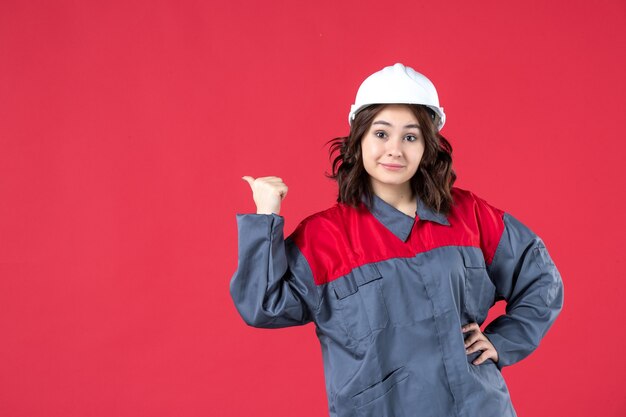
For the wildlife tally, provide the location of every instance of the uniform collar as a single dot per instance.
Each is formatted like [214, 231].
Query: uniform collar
[399, 223]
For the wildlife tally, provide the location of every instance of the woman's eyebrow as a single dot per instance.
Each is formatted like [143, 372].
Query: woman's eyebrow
[382, 122]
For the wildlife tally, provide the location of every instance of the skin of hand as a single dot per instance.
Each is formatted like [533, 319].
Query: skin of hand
[267, 192]
[478, 341]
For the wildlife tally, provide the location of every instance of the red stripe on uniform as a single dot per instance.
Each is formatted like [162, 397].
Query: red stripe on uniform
[341, 238]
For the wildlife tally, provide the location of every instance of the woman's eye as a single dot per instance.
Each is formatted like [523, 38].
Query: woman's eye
[380, 134]
[411, 138]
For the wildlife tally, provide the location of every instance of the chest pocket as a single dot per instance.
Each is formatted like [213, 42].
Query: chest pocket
[480, 292]
[360, 301]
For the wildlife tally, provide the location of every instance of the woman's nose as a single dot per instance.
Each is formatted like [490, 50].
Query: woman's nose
[394, 147]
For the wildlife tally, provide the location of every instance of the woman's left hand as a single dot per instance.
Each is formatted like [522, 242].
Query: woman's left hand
[478, 341]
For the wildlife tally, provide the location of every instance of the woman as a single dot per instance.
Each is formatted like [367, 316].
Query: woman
[399, 275]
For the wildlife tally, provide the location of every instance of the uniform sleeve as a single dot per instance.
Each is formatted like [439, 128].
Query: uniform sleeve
[273, 285]
[526, 277]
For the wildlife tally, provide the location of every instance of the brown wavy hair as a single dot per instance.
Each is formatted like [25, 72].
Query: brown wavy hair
[434, 177]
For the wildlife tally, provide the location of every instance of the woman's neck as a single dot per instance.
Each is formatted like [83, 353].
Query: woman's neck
[402, 199]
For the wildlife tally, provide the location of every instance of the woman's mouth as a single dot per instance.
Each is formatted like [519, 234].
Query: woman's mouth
[392, 167]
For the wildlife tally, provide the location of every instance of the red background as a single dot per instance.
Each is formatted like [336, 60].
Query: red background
[125, 130]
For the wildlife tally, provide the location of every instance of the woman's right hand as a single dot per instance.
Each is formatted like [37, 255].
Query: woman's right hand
[267, 192]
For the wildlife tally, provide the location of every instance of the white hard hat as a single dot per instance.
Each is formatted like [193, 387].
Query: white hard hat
[397, 84]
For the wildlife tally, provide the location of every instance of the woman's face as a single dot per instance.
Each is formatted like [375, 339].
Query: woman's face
[392, 149]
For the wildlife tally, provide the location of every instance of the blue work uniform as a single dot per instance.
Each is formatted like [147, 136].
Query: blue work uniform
[388, 294]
